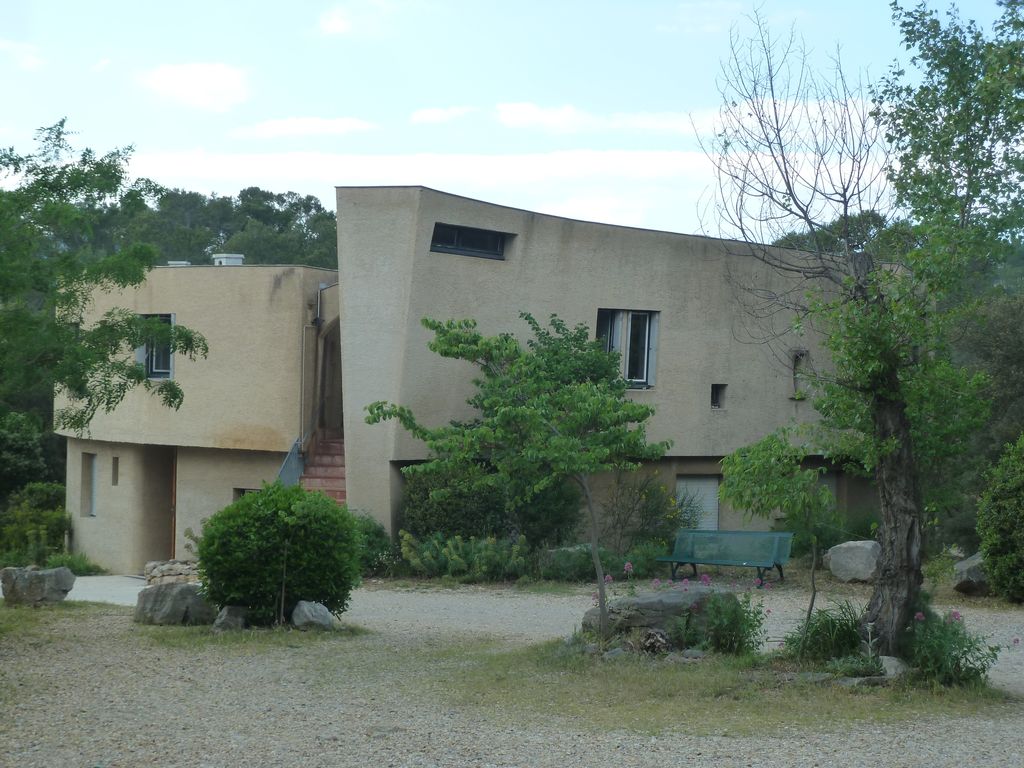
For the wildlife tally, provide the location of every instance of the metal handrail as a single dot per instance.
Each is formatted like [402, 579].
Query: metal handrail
[291, 469]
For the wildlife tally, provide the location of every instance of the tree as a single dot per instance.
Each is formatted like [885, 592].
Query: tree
[61, 239]
[553, 410]
[770, 475]
[892, 213]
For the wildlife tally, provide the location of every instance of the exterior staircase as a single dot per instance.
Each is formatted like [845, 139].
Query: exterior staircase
[325, 466]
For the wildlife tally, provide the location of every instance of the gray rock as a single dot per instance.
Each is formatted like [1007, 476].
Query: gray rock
[693, 653]
[231, 617]
[31, 586]
[173, 604]
[614, 653]
[969, 576]
[854, 560]
[309, 615]
[863, 682]
[654, 610]
[893, 666]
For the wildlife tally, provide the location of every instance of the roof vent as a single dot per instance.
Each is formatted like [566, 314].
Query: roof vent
[179, 263]
[228, 259]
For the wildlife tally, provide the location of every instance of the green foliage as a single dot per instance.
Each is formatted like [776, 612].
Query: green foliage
[63, 235]
[466, 560]
[271, 549]
[377, 553]
[1001, 524]
[552, 411]
[768, 476]
[34, 524]
[77, 562]
[938, 569]
[855, 666]
[466, 502]
[830, 633]
[722, 623]
[21, 453]
[640, 509]
[943, 651]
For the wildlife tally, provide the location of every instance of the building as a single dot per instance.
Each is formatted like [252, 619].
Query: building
[144, 474]
[668, 302]
[297, 353]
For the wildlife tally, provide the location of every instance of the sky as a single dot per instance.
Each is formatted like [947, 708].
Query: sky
[588, 109]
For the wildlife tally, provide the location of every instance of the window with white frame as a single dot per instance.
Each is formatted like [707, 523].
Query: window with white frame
[157, 358]
[633, 333]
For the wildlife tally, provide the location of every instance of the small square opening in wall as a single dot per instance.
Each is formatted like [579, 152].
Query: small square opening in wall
[718, 396]
[115, 469]
[237, 493]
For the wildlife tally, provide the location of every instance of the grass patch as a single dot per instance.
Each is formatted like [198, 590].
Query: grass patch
[718, 696]
[27, 620]
[252, 639]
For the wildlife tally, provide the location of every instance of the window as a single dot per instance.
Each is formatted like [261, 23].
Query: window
[698, 494]
[718, 396]
[158, 358]
[115, 467]
[237, 493]
[633, 334]
[466, 241]
[87, 505]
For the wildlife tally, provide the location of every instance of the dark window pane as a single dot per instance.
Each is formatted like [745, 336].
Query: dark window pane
[445, 235]
[605, 318]
[448, 238]
[636, 365]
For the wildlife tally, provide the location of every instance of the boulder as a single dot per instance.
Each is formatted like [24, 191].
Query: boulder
[32, 586]
[969, 576]
[651, 610]
[173, 604]
[854, 560]
[171, 572]
[893, 666]
[309, 615]
[231, 617]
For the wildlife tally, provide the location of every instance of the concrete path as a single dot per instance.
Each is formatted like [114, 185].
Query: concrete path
[119, 590]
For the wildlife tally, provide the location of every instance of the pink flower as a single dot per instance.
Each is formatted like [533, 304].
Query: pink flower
[758, 582]
[705, 579]
[1016, 641]
[608, 578]
[919, 616]
[686, 582]
[767, 611]
[767, 585]
[628, 568]
[656, 583]
[955, 615]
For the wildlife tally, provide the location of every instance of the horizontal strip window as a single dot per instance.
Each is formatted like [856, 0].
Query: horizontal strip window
[466, 241]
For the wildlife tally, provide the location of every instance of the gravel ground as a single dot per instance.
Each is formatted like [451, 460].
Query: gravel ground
[99, 692]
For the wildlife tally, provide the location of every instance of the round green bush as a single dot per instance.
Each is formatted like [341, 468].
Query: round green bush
[1001, 524]
[377, 552]
[273, 548]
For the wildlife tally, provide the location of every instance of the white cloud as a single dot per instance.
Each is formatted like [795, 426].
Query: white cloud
[302, 126]
[210, 86]
[570, 119]
[25, 56]
[439, 114]
[335, 22]
[101, 65]
[367, 17]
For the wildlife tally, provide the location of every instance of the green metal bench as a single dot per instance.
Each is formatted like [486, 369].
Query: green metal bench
[763, 550]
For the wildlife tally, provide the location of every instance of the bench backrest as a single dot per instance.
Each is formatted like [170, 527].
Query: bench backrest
[755, 547]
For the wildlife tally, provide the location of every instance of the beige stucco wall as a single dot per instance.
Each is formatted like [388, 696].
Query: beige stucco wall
[206, 482]
[390, 279]
[246, 394]
[133, 522]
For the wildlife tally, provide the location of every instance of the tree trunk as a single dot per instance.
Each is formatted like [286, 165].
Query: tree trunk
[595, 553]
[899, 567]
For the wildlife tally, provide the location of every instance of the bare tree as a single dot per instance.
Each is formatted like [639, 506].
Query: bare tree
[804, 171]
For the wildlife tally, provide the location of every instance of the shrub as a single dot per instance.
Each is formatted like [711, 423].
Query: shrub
[574, 564]
[77, 562]
[271, 549]
[944, 652]
[641, 509]
[831, 633]
[466, 560]
[1001, 524]
[472, 504]
[377, 552]
[644, 559]
[35, 523]
[721, 623]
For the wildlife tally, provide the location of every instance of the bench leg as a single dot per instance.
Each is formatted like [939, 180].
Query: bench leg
[782, 577]
[760, 577]
[694, 566]
[675, 567]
